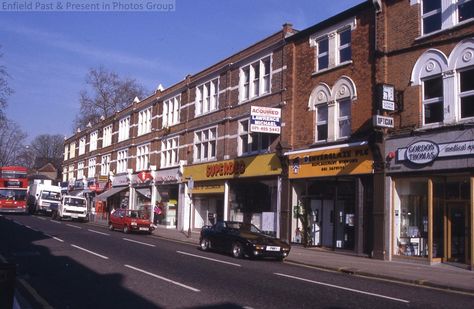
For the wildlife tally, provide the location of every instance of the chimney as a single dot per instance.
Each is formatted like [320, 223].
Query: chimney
[287, 29]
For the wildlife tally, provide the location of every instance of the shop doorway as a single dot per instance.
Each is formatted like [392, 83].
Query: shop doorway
[458, 232]
[322, 222]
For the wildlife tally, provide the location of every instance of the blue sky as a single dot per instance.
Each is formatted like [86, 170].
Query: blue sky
[48, 54]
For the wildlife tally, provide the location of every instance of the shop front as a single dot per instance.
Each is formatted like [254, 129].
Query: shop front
[166, 199]
[432, 203]
[332, 189]
[244, 189]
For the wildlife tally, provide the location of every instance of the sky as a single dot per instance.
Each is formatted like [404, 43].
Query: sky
[48, 53]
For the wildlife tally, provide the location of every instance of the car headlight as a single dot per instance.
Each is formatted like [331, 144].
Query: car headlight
[260, 247]
[133, 223]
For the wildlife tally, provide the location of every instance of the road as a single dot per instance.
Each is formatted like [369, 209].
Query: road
[80, 265]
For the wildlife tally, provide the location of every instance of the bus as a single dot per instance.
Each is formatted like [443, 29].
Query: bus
[13, 188]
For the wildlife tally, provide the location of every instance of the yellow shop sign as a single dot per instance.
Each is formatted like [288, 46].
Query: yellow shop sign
[261, 165]
[331, 162]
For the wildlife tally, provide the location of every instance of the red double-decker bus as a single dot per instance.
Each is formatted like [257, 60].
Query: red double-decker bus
[13, 187]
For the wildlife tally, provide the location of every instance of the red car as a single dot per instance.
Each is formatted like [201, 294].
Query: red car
[130, 221]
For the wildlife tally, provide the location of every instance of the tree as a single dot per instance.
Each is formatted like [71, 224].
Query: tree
[11, 143]
[47, 149]
[5, 90]
[106, 93]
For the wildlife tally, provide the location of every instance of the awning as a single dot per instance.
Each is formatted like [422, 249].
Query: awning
[146, 192]
[110, 192]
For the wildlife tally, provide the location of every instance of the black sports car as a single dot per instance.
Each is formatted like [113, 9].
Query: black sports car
[242, 239]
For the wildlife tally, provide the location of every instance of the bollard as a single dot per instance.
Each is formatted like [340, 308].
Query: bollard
[7, 284]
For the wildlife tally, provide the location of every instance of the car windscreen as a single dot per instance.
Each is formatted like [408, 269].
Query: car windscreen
[75, 202]
[243, 227]
[50, 195]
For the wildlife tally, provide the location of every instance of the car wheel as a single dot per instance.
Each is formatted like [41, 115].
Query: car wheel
[126, 230]
[237, 250]
[205, 244]
[111, 227]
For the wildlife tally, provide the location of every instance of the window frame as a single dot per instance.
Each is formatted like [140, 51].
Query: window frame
[80, 170]
[169, 150]
[252, 86]
[436, 100]
[142, 159]
[93, 137]
[249, 137]
[122, 161]
[82, 145]
[107, 136]
[124, 129]
[204, 145]
[144, 121]
[91, 167]
[207, 97]
[465, 94]
[171, 111]
[324, 123]
[105, 165]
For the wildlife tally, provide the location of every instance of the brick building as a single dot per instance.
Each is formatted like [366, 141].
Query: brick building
[426, 52]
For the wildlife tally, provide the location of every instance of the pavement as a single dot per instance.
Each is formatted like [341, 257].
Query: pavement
[441, 276]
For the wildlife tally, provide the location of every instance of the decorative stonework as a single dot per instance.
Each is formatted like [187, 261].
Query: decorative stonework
[467, 56]
[430, 66]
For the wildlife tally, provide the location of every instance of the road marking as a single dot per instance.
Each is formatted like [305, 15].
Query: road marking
[41, 218]
[77, 227]
[91, 252]
[139, 242]
[97, 232]
[57, 222]
[58, 239]
[35, 230]
[210, 259]
[163, 278]
[343, 288]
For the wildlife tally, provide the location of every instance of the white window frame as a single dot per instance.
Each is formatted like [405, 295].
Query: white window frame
[207, 145]
[332, 35]
[171, 111]
[80, 170]
[320, 54]
[105, 165]
[144, 121]
[341, 47]
[82, 145]
[142, 161]
[344, 118]
[430, 101]
[107, 136]
[64, 178]
[469, 93]
[122, 161]
[321, 122]
[124, 129]
[170, 152]
[449, 14]
[72, 150]
[252, 85]
[91, 167]
[66, 152]
[207, 97]
[70, 174]
[93, 140]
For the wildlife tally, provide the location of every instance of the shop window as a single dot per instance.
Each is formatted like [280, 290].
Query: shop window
[411, 218]
[253, 142]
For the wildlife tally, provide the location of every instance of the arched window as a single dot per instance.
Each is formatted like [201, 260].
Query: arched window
[344, 93]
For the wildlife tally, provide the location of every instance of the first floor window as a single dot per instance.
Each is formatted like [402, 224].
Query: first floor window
[465, 9]
[433, 100]
[122, 161]
[323, 53]
[143, 157]
[80, 170]
[253, 142]
[169, 152]
[467, 93]
[205, 144]
[105, 165]
[431, 15]
[321, 122]
[91, 168]
[344, 118]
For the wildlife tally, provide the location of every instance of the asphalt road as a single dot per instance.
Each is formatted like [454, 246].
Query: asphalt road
[79, 265]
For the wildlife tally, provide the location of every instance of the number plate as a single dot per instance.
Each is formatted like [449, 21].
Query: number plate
[273, 248]
[143, 229]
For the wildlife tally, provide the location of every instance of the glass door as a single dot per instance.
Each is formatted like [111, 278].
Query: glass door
[458, 232]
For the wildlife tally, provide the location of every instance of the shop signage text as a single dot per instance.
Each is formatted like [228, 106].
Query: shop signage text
[338, 161]
[265, 120]
[383, 121]
[225, 169]
[424, 152]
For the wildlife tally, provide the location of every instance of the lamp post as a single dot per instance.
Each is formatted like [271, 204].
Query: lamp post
[190, 189]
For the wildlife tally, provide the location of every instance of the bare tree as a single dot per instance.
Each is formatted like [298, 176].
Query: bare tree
[12, 140]
[47, 149]
[105, 94]
[5, 90]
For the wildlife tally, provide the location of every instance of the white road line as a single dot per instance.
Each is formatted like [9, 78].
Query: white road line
[41, 218]
[91, 252]
[210, 259]
[139, 242]
[343, 288]
[57, 222]
[97, 232]
[163, 278]
[58, 239]
[71, 225]
[35, 230]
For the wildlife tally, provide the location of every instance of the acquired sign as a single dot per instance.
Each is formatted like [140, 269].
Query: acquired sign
[265, 120]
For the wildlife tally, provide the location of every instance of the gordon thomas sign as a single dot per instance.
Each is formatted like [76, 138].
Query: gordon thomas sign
[265, 120]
